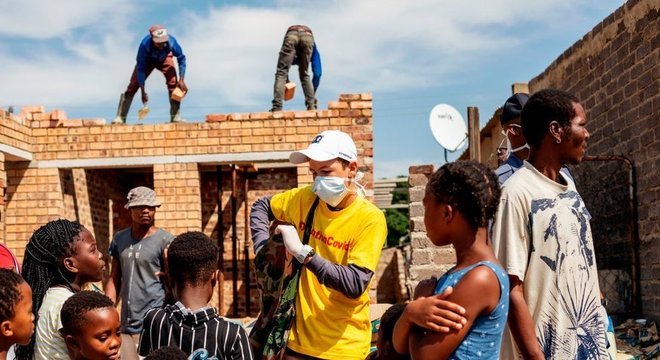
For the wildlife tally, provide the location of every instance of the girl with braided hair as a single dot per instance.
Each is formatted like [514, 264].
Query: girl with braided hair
[60, 258]
[460, 201]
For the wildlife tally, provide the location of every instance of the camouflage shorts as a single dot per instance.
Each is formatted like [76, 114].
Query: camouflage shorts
[277, 279]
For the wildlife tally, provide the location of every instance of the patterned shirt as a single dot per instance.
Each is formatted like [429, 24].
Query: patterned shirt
[542, 235]
[484, 337]
[175, 325]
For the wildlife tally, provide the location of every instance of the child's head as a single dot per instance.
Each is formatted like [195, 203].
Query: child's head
[16, 317]
[462, 187]
[62, 252]
[387, 321]
[167, 353]
[192, 260]
[90, 326]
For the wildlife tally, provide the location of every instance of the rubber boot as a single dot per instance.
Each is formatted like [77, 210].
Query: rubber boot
[175, 116]
[122, 109]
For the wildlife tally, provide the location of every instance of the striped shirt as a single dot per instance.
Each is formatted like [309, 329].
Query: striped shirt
[176, 325]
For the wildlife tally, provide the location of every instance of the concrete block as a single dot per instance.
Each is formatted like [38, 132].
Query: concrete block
[418, 180]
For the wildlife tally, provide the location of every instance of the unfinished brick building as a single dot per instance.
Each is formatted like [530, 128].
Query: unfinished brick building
[206, 174]
[614, 70]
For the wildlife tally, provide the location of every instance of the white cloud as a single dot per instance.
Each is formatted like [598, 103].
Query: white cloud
[47, 19]
[232, 50]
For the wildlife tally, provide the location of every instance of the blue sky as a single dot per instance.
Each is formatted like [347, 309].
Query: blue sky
[77, 55]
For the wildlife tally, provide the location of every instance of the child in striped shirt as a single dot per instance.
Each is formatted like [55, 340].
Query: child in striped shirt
[190, 324]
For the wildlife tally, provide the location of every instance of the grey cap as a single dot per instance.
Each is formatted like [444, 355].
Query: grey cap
[141, 196]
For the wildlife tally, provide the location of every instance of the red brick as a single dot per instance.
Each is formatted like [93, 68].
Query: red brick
[337, 105]
[33, 109]
[216, 117]
[349, 97]
[421, 169]
[58, 114]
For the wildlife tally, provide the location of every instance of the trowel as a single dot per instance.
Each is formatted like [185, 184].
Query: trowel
[142, 113]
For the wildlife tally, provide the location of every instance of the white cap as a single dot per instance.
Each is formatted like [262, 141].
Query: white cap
[328, 145]
[159, 34]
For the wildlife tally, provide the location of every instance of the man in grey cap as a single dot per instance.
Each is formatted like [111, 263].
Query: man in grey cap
[137, 255]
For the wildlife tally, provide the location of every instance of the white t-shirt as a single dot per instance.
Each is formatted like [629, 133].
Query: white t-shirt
[49, 344]
[542, 235]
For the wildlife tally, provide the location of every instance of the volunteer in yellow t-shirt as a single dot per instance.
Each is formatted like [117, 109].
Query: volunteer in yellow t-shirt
[346, 237]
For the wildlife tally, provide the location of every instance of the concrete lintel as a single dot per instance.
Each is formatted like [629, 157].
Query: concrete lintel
[15, 154]
[229, 158]
[264, 158]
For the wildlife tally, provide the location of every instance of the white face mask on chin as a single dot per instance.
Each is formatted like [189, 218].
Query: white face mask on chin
[332, 189]
[509, 150]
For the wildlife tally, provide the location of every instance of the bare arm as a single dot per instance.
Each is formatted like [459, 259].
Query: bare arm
[432, 312]
[439, 345]
[114, 285]
[520, 322]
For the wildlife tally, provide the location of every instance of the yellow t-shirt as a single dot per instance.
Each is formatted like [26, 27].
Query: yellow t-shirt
[328, 324]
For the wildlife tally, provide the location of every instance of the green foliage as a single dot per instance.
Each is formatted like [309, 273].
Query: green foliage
[397, 226]
[397, 219]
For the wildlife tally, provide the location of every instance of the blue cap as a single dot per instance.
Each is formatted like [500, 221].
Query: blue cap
[512, 107]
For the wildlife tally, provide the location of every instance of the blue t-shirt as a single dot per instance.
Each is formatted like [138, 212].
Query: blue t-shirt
[513, 163]
[484, 337]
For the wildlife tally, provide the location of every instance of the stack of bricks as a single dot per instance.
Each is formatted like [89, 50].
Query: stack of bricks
[427, 259]
[37, 117]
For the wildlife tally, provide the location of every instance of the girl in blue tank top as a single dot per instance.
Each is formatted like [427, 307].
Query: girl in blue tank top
[460, 200]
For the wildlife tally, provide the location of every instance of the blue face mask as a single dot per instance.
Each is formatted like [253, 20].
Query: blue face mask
[330, 189]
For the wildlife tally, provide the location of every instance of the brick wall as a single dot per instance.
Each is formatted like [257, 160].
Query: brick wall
[614, 71]
[34, 197]
[427, 260]
[262, 183]
[388, 284]
[82, 169]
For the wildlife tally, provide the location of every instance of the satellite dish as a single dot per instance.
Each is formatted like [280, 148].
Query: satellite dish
[448, 127]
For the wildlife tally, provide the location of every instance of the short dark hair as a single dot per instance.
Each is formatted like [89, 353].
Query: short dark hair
[10, 295]
[192, 258]
[167, 353]
[389, 319]
[470, 187]
[74, 309]
[544, 107]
